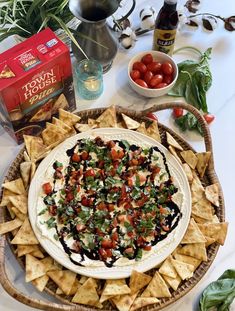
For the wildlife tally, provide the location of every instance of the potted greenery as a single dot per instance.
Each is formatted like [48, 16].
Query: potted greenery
[23, 18]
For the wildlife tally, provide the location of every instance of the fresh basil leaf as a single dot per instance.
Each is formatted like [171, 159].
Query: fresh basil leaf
[194, 81]
[219, 294]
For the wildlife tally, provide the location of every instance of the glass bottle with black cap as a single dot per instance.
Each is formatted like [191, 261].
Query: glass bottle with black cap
[166, 27]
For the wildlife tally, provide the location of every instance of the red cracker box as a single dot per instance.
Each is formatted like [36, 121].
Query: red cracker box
[35, 81]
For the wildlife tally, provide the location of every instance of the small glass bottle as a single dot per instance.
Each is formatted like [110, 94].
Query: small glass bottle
[166, 27]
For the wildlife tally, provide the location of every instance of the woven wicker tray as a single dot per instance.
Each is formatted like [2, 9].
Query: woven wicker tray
[64, 302]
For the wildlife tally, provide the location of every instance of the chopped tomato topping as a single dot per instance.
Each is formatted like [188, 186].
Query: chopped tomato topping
[90, 173]
[47, 188]
[76, 157]
[85, 155]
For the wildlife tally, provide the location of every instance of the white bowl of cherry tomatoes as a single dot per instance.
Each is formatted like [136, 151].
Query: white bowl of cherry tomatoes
[152, 73]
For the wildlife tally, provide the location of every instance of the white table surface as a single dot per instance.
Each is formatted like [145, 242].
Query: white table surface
[221, 102]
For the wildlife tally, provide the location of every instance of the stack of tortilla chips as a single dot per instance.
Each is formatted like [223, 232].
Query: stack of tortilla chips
[141, 289]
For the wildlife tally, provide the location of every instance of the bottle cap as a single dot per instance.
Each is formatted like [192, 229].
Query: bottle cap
[171, 1]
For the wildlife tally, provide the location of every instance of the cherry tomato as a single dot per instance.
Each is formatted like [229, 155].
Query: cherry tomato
[148, 76]
[47, 188]
[160, 85]
[76, 158]
[209, 118]
[139, 66]
[155, 80]
[135, 74]
[70, 196]
[167, 79]
[141, 82]
[167, 68]
[106, 243]
[85, 155]
[155, 67]
[147, 59]
[152, 116]
[90, 173]
[147, 248]
[115, 236]
[178, 112]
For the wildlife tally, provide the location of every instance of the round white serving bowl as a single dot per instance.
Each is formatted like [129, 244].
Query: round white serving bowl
[159, 57]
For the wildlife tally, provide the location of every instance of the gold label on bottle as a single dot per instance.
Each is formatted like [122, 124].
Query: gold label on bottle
[163, 40]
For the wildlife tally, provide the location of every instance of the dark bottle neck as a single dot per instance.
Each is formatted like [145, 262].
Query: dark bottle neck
[169, 6]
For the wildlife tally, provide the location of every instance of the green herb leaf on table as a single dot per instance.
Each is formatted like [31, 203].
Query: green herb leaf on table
[194, 81]
[219, 294]
[189, 122]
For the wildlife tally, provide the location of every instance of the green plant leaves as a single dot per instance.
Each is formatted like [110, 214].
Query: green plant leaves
[194, 81]
[219, 294]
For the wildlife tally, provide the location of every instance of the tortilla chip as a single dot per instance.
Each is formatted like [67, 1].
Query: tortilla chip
[59, 291]
[68, 118]
[25, 168]
[202, 163]
[142, 302]
[53, 134]
[33, 170]
[124, 302]
[64, 279]
[26, 156]
[108, 118]
[172, 142]
[130, 123]
[156, 288]
[33, 268]
[138, 280]
[203, 209]
[75, 287]
[87, 294]
[92, 123]
[11, 212]
[37, 148]
[83, 279]
[17, 213]
[190, 158]
[41, 282]
[61, 102]
[174, 153]
[189, 260]
[197, 190]
[116, 287]
[10, 225]
[212, 194]
[20, 202]
[27, 141]
[37, 253]
[82, 127]
[188, 172]
[197, 250]
[200, 220]
[69, 129]
[5, 197]
[184, 270]
[25, 235]
[172, 282]
[167, 268]
[193, 234]
[26, 249]
[217, 231]
[15, 186]
[153, 131]
[209, 241]
[142, 129]
[50, 264]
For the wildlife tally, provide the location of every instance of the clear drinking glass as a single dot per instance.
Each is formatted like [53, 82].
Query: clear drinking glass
[89, 79]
